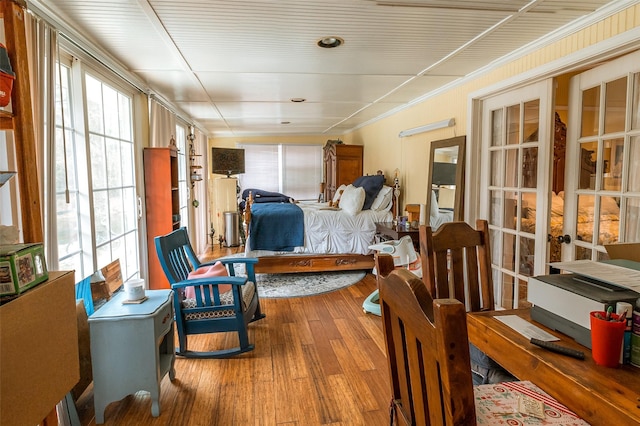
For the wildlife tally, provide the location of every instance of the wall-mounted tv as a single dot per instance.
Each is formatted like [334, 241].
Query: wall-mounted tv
[227, 161]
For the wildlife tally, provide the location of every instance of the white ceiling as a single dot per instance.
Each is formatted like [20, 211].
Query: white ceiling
[233, 66]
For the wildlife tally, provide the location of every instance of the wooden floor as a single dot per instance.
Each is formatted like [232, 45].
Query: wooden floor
[319, 360]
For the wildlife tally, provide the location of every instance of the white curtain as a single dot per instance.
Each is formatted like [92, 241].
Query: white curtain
[162, 124]
[262, 167]
[42, 56]
[301, 171]
[202, 213]
[42, 51]
[294, 170]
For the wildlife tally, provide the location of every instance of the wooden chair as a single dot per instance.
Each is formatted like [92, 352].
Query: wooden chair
[212, 309]
[456, 263]
[427, 351]
[428, 356]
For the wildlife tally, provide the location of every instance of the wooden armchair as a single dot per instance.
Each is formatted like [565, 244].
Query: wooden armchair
[427, 351]
[217, 303]
[456, 263]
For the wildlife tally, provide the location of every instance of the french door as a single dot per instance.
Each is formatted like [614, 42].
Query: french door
[516, 153]
[602, 191]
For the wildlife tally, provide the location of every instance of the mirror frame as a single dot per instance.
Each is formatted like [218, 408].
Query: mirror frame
[458, 203]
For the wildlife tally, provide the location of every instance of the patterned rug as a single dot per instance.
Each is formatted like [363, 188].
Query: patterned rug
[302, 284]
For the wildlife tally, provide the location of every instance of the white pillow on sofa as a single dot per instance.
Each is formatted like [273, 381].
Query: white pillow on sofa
[352, 200]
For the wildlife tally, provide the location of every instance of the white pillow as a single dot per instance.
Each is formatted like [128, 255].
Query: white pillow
[435, 210]
[529, 205]
[338, 194]
[387, 204]
[383, 199]
[352, 200]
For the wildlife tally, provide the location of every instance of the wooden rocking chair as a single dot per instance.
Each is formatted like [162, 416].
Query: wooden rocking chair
[210, 308]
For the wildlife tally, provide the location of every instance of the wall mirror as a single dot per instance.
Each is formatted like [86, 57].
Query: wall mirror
[446, 181]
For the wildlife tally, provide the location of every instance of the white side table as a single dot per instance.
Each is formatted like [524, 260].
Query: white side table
[131, 348]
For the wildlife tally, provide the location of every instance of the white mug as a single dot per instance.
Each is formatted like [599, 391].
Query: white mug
[134, 289]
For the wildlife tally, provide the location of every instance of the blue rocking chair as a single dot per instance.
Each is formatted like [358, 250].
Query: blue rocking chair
[208, 310]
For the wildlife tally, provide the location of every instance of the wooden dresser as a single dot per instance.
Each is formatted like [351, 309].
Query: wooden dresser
[342, 165]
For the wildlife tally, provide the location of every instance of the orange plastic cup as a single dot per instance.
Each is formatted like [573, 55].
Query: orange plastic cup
[606, 339]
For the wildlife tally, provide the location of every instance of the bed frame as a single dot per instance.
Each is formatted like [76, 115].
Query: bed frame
[292, 263]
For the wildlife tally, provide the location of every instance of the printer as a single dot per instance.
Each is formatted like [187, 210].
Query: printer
[563, 302]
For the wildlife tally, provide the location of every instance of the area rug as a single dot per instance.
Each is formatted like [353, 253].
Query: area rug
[301, 284]
[305, 284]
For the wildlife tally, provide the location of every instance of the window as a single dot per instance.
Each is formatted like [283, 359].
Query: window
[67, 224]
[293, 170]
[97, 222]
[112, 171]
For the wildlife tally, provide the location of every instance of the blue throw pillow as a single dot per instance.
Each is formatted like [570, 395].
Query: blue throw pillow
[372, 185]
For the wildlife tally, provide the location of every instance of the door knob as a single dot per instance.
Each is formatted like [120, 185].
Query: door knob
[566, 239]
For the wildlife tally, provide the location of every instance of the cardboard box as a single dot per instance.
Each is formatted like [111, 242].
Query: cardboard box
[38, 350]
[22, 266]
[626, 251]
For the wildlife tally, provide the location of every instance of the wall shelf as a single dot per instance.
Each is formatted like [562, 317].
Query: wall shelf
[195, 168]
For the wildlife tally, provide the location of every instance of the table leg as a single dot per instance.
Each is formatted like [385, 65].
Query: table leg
[155, 401]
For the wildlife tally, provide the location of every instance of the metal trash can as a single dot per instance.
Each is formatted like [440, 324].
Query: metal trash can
[231, 229]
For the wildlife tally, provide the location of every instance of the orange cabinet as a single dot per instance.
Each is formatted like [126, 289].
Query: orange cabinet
[162, 200]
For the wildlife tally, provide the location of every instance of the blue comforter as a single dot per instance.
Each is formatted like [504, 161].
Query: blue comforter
[276, 226]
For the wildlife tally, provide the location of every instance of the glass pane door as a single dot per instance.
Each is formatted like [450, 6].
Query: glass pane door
[516, 147]
[602, 198]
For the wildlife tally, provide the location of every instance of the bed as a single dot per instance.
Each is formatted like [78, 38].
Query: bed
[607, 231]
[336, 235]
